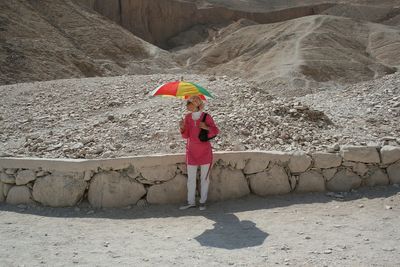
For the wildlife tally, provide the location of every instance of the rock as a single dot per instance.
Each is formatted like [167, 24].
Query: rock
[59, 189]
[360, 168]
[378, 177]
[255, 165]
[173, 191]
[273, 181]
[311, 181]
[329, 173]
[2, 196]
[390, 154]
[158, 173]
[88, 176]
[326, 160]
[112, 190]
[24, 177]
[393, 172]
[227, 183]
[365, 154]
[132, 172]
[11, 171]
[344, 180]
[19, 195]
[7, 178]
[299, 162]
[6, 188]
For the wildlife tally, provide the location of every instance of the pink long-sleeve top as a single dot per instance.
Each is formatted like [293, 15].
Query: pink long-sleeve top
[198, 152]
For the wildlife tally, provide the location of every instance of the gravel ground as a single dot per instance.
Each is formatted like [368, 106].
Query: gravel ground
[356, 229]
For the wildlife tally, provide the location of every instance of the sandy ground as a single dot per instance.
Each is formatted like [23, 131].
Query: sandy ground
[361, 229]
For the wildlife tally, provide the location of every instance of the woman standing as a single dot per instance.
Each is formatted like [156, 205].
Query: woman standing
[198, 153]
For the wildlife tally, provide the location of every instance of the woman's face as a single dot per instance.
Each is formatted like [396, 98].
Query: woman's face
[191, 107]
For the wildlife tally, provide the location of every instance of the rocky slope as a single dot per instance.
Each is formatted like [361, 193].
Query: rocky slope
[108, 117]
[45, 40]
[299, 56]
[157, 21]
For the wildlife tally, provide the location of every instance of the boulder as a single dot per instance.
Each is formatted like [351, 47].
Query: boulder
[112, 190]
[390, 154]
[255, 165]
[2, 196]
[7, 178]
[25, 176]
[329, 173]
[311, 181]
[344, 180]
[227, 183]
[19, 195]
[324, 160]
[173, 191]
[377, 177]
[151, 175]
[394, 173]
[365, 154]
[360, 168]
[273, 181]
[59, 189]
[299, 162]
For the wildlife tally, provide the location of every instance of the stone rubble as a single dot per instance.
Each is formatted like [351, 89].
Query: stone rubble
[116, 116]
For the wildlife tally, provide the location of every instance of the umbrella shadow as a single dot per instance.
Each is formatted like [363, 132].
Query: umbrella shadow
[231, 233]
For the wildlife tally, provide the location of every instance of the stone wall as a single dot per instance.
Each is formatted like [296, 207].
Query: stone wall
[161, 179]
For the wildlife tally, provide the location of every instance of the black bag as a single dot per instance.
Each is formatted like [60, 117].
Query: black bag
[203, 135]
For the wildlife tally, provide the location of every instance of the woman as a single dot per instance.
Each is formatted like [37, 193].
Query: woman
[198, 153]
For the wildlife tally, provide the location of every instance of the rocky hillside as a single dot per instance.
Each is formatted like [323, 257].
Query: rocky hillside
[109, 117]
[46, 40]
[157, 21]
[298, 56]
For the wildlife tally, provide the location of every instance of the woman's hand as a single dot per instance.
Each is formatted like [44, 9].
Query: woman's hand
[203, 125]
[181, 125]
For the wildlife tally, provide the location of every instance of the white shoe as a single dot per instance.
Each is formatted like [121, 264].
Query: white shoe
[202, 207]
[188, 206]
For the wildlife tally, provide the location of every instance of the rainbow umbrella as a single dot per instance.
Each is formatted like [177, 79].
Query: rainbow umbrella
[181, 89]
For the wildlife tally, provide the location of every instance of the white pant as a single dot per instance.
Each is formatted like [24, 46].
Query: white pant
[191, 183]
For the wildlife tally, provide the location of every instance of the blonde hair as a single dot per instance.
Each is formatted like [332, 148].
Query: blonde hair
[197, 101]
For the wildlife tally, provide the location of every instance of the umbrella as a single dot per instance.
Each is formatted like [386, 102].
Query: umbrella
[181, 89]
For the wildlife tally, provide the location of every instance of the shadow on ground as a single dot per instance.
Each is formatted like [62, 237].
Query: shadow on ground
[219, 212]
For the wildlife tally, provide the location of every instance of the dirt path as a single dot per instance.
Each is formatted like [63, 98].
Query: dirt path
[362, 229]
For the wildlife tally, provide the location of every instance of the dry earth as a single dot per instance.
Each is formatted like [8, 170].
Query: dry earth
[355, 229]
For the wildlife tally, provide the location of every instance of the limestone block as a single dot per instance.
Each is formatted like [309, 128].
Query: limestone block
[227, 183]
[311, 181]
[6, 188]
[299, 162]
[2, 196]
[255, 165]
[7, 178]
[25, 176]
[365, 154]
[132, 172]
[329, 173]
[394, 173]
[158, 173]
[20, 194]
[377, 177]
[324, 160]
[173, 191]
[112, 190]
[183, 168]
[390, 154]
[344, 180]
[59, 189]
[270, 182]
[360, 168]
